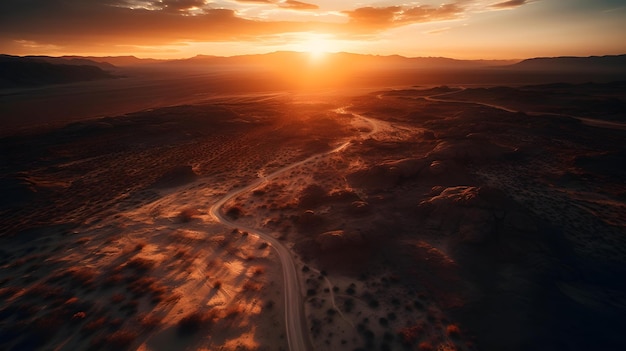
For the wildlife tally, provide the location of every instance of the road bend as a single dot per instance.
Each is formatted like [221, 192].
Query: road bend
[295, 319]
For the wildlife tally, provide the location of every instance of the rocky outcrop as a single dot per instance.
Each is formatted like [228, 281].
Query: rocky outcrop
[388, 173]
[338, 239]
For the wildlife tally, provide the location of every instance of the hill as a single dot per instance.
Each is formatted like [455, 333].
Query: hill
[27, 72]
[570, 63]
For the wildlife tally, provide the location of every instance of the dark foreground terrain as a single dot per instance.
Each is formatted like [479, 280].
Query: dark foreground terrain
[452, 219]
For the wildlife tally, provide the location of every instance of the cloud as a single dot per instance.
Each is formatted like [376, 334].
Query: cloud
[297, 5]
[509, 4]
[257, 1]
[81, 23]
[286, 4]
[377, 18]
[181, 5]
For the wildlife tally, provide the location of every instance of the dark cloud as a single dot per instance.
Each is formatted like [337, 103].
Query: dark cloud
[298, 5]
[113, 23]
[82, 23]
[509, 4]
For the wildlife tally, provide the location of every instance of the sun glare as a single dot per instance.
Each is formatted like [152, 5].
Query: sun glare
[316, 45]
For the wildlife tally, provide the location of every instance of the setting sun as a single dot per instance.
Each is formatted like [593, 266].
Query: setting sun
[317, 45]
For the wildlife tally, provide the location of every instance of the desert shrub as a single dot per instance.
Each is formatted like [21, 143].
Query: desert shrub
[130, 307]
[181, 253]
[387, 336]
[425, 346]
[234, 212]
[83, 277]
[8, 292]
[194, 321]
[186, 215]
[150, 321]
[410, 335]
[121, 338]
[217, 284]
[141, 286]
[351, 290]
[250, 286]
[453, 330]
[348, 305]
[117, 298]
[373, 303]
[112, 280]
[96, 324]
[233, 310]
[140, 264]
[258, 270]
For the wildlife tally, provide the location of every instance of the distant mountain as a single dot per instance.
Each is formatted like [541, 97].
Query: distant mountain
[73, 61]
[573, 64]
[18, 71]
[118, 61]
[341, 58]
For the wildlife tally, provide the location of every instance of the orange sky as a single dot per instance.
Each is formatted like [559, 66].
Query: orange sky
[467, 29]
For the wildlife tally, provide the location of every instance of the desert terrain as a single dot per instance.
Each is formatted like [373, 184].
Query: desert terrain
[195, 214]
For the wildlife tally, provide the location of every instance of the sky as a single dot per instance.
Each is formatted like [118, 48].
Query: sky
[463, 29]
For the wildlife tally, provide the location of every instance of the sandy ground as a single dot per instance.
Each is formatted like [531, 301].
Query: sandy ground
[439, 226]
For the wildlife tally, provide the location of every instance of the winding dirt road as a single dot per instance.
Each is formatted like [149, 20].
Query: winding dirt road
[295, 319]
[588, 121]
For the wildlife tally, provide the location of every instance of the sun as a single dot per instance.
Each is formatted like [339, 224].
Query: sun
[316, 45]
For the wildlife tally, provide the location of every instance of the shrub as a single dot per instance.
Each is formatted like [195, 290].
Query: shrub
[140, 264]
[425, 346]
[410, 335]
[121, 338]
[150, 321]
[453, 330]
[193, 322]
[234, 212]
[117, 298]
[217, 284]
[186, 215]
